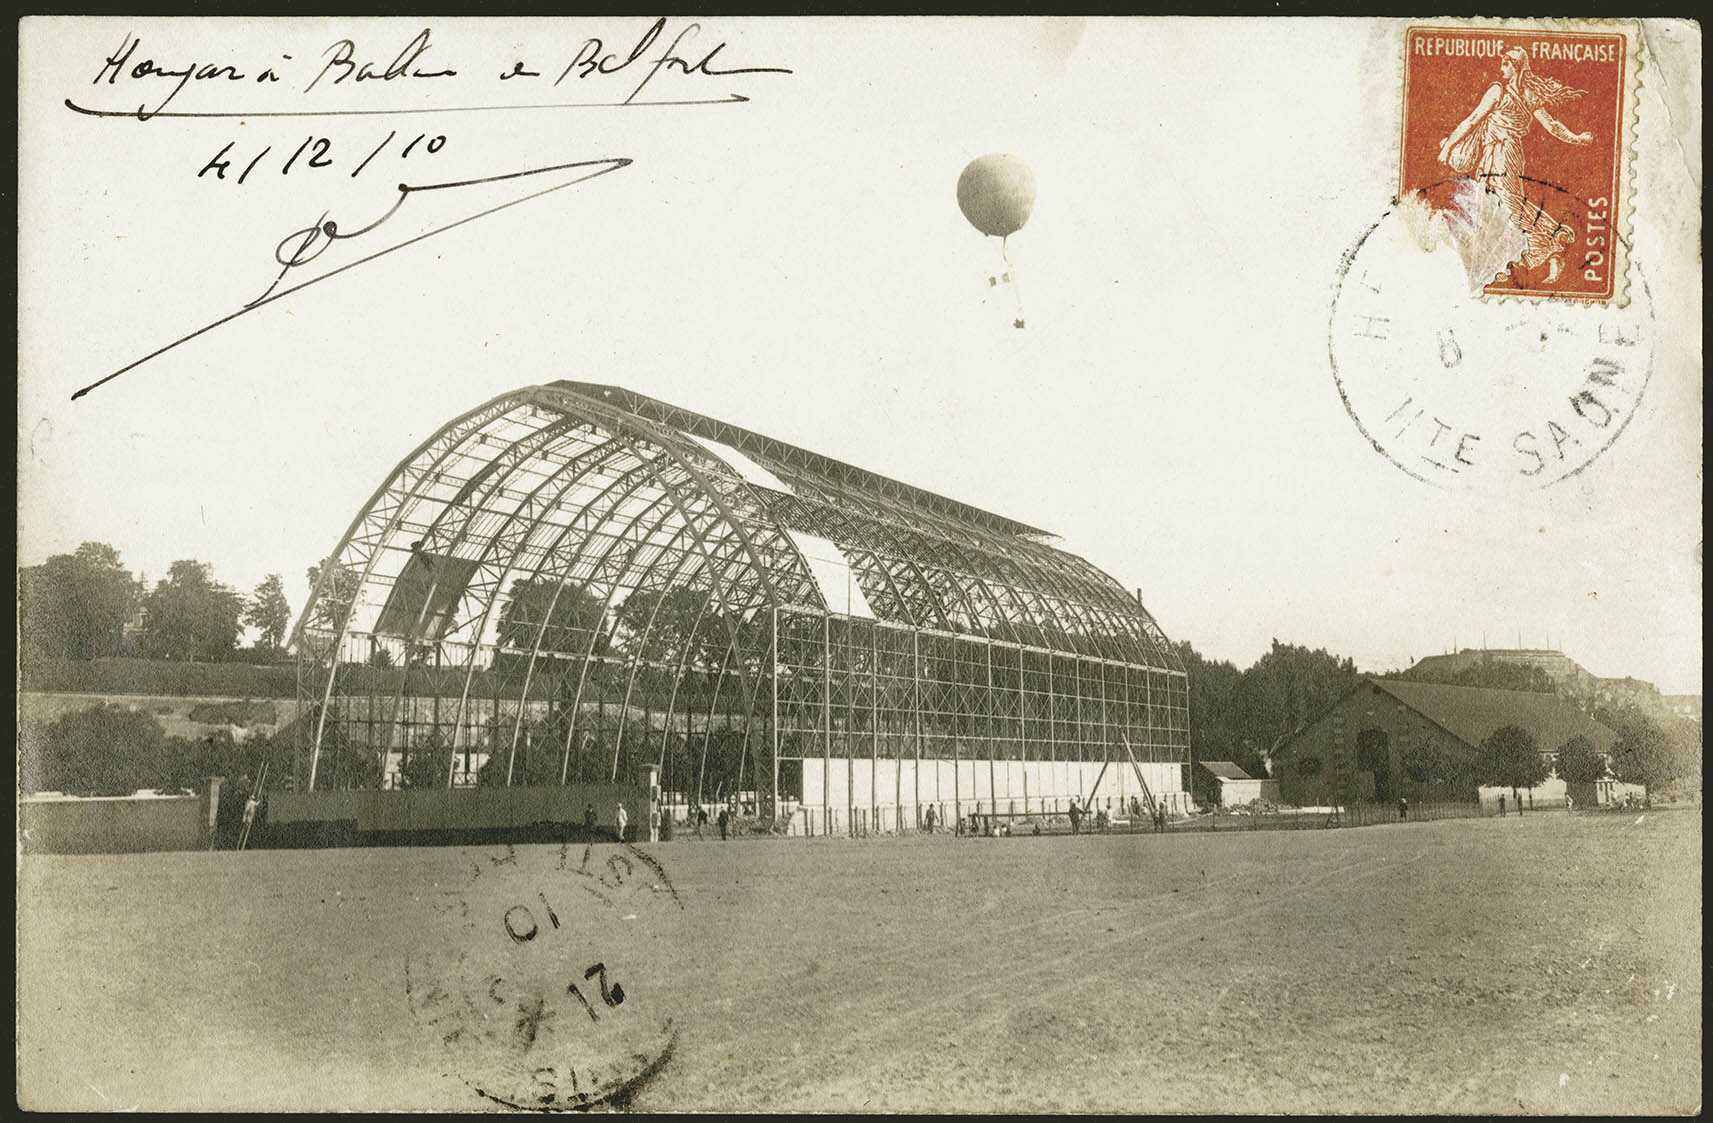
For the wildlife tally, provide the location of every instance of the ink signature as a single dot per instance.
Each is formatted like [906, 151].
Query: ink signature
[590, 60]
[325, 232]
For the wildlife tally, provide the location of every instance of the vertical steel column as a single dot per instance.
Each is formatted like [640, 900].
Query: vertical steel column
[1189, 777]
[957, 747]
[916, 709]
[371, 734]
[849, 671]
[1105, 728]
[1148, 700]
[874, 724]
[1052, 729]
[1023, 725]
[1079, 727]
[827, 721]
[992, 740]
[773, 677]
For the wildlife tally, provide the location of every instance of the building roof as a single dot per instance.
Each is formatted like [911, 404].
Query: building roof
[1555, 663]
[1473, 713]
[774, 449]
[1225, 769]
[576, 484]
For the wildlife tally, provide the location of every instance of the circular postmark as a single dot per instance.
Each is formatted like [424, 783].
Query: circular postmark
[1468, 391]
[543, 998]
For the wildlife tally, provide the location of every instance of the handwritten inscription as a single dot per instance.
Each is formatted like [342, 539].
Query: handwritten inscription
[148, 83]
[346, 64]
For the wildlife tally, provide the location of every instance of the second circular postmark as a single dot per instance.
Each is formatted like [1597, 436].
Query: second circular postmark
[1469, 392]
[544, 999]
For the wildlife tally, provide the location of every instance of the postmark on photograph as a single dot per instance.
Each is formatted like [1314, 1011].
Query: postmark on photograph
[1472, 394]
[544, 998]
[1517, 137]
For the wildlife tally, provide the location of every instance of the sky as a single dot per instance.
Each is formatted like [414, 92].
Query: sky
[797, 264]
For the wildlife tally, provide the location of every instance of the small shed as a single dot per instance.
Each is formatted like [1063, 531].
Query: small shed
[1233, 786]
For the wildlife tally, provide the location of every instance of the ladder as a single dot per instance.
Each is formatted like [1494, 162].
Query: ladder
[1147, 792]
[255, 794]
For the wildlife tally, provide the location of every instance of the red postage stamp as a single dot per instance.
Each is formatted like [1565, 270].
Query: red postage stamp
[1517, 136]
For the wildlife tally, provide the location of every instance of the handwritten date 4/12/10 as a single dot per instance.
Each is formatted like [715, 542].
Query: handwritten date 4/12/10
[317, 152]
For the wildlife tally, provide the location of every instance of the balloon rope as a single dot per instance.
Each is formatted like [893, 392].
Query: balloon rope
[1003, 255]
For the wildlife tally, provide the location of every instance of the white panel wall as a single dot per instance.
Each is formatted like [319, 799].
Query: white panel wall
[877, 792]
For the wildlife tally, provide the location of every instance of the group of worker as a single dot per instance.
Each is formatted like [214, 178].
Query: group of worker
[659, 823]
[1103, 819]
[977, 822]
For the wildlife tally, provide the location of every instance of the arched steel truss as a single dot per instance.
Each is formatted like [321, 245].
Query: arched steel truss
[571, 566]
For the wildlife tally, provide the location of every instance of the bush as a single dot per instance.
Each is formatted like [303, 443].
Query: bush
[1578, 762]
[426, 765]
[157, 676]
[540, 756]
[102, 750]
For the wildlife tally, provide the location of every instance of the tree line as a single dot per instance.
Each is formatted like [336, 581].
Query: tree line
[86, 605]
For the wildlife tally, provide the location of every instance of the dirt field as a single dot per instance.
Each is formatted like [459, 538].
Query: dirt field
[1550, 964]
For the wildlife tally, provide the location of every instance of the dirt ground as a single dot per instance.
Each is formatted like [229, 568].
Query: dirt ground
[1549, 964]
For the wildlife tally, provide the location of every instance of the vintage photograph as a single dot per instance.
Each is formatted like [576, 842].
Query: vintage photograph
[883, 565]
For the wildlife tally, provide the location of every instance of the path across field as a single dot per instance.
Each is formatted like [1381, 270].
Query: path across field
[1549, 964]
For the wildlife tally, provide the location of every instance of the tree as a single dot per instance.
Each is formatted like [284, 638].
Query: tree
[341, 765]
[268, 611]
[680, 627]
[1510, 758]
[1216, 724]
[1579, 762]
[563, 616]
[1642, 754]
[535, 761]
[191, 616]
[1242, 716]
[427, 765]
[568, 611]
[333, 603]
[1284, 689]
[75, 606]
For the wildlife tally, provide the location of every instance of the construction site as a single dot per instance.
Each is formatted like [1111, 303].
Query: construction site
[575, 585]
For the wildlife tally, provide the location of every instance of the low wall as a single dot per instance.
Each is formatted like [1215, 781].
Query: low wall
[1551, 792]
[113, 824]
[436, 810]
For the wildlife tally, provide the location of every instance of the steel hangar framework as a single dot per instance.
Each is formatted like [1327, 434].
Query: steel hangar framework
[573, 580]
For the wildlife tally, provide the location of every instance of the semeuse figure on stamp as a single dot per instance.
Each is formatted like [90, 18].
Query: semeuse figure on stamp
[1489, 144]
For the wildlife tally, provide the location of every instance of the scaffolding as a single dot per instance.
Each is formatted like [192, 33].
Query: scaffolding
[571, 581]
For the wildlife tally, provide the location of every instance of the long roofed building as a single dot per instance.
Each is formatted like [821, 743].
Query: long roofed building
[573, 580]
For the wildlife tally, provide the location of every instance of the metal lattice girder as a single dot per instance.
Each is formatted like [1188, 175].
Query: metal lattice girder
[653, 549]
